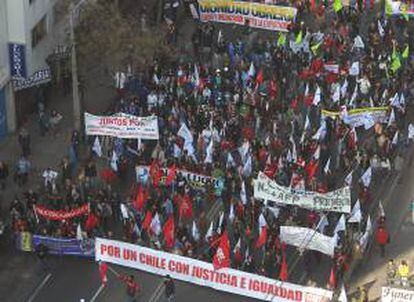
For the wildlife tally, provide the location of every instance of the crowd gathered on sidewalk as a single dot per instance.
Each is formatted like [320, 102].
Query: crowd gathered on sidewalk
[240, 104]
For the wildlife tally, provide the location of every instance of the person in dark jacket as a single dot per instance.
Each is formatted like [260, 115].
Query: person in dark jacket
[169, 288]
[24, 141]
[4, 173]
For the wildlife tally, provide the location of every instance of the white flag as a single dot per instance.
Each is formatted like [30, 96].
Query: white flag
[344, 88]
[230, 161]
[252, 71]
[238, 245]
[348, 178]
[391, 119]
[177, 151]
[354, 95]
[114, 161]
[323, 222]
[395, 100]
[307, 123]
[327, 165]
[243, 195]
[356, 214]
[220, 224]
[341, 225]
[337, 94]
[317, 153]
[368, 227]
[410, 131]
[354, 70]
[402, 99]
[342, 296]
[209, 232]
[366, 177]
[79, 235]
[358, 43]
[317, 96]
[185, 133]
[247, 168]
[320, 134]
[209, 153]
[97, 147]
[231, 214]
[244, 151]
[380, 29]
[262, 221]
[381, 209]
[395, 138]
[156, 225]
[195, 232]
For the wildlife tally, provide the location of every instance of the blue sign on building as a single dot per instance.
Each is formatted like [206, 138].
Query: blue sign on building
[17, 58]
[3, 114]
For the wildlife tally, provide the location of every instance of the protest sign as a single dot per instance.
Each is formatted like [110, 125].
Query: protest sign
[361, 116]
[391, 294]
[196, 180]
[256, 15]
[122, 125]
[61, 214]
[334, 201]
[203, 273]
[309, 239]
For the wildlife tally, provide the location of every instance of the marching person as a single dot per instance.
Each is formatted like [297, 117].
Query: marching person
[169, 289]
[132, 287]
[403, 273]
[382, 238]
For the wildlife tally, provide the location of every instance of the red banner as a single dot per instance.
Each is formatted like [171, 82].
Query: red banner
[60, 214]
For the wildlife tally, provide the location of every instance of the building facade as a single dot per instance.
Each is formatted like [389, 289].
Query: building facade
[30, 31]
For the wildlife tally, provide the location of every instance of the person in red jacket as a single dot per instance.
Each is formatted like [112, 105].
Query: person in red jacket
[382, 238]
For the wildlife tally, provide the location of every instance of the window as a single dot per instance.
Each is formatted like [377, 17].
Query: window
[39, 31]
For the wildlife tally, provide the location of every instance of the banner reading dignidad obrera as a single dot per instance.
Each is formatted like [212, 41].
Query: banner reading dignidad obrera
[203, 273]
[334, 201]
[122, 125]
[258, 15]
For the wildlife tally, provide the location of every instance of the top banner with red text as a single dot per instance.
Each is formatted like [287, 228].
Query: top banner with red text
[203, 273]
[257, 15]
[61, 214]
[122, 125]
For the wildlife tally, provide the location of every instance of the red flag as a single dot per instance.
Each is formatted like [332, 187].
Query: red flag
[91, 222]
[169, 231]
[186, 207]
[222, 256]
[171, 175]
[259, 77]
[262, 238]
[311, 169]
[283, 269]
[139, 200]
[332, 278]
[313, 4]
[103, 268]
[155, 173]
[147, 220]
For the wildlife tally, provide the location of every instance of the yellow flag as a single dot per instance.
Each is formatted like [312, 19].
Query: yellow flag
[315, 48]
[299, 37]
[406, 52]
[337, 5]
[281, 41]
[388, 8]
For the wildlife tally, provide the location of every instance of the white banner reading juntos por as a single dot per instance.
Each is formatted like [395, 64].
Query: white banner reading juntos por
[334, 201]
[203, 273]
[309, 239]
[122, 125]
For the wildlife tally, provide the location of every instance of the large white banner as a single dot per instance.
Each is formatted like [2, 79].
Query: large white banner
[203, 273]
[308, 239]
[122, 125]
[360, 116]
[334, 201]
[390, 294]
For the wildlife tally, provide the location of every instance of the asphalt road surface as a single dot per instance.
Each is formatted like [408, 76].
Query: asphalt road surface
[75, 278]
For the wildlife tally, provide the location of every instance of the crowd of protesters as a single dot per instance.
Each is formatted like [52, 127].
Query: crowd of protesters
[237, 105]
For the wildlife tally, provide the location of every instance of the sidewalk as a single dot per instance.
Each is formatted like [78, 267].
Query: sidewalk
[372, 274]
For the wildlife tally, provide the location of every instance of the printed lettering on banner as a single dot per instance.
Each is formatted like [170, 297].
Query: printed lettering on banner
[203, 273]
[196, 180]
[359, 117]
[334, 201]
[122, 125]
[270, 17]
[391, 294]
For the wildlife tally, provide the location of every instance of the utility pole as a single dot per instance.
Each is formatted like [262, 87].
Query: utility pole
[77, 110]
[75, 81]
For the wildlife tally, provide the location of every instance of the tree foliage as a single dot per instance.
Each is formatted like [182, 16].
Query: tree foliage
[105, 35]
